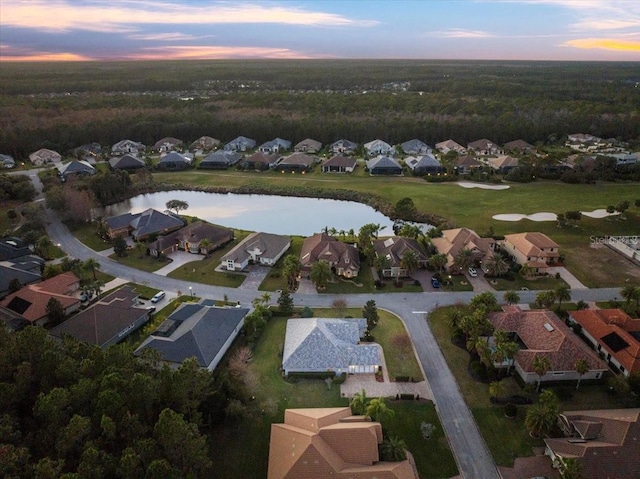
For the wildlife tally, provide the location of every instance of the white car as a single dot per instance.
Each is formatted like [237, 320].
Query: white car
[472, 272]
[158, 297]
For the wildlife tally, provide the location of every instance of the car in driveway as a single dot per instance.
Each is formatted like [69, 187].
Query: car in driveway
[473, 272]
[435, 283]
[158, 296]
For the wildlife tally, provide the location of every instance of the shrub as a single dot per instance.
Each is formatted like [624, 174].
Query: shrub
[510, 410]
[407, 397]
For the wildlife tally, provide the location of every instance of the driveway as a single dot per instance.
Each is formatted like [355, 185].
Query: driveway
[479, 283]
[255, 276]
[565, 274]
[178, 258]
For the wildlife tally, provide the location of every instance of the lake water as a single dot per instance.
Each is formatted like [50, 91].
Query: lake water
[270, 214]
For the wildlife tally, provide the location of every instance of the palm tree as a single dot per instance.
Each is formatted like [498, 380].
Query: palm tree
[42, 245]
[629, 293]
[378, 410]
[358, 403]
[454, 316]
[320, 274]
[511, 297]
[541, 366]
[333, 231]
[91, 265]
[393, 449]
[382, 263]
[562, 293]
[497, 389]
[526, 271]
[205, 244]
[290, 270]
[438, 261]
[463, 259]
[570, 468]
[352, 233]
[546, 298]
[582, 368]
[510, 349]
[409, 261]
[539, 419]
[497, 265]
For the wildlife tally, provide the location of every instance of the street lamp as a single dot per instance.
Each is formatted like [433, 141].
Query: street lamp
[190, 291]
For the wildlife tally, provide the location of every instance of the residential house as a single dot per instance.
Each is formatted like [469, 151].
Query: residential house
[190, 238]
[205, 143]
[308, 146]
[485, 147]
[536, 250]
[14, 247]
[604, 442]
[339, 164]
[378, 147]
[625, 158]
[44, 156]
[262, 248]
[394, 248]
[142, 225]
[343, 258]
[124, 147]
[582, 138]
[518, 146]
[276, 145]
[76, 168]
[612, 333]
[453, 241]
[331, 442]
[196, 330]
[467, 164]
[88, 152]
[240, 143]
[320, 345]
[167, 144]
[384, 165]
[31, 301]
[18, 263]
[260, 161]
[416, 147]
[343, 147]
[12, 321]
[220, 160]
[446, 146]
[542, 333]
[7, 161]
[424, 165]
[108, 321]
[174, 161]
[127, 162]
[503, 164]
[298, 162]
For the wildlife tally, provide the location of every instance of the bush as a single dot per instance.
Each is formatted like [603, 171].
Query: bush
[511, 410]
[407, 397]
[402, 379]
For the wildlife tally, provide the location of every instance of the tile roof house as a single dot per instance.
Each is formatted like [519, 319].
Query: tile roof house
[378, 147]
[142, 225]
[167, 144]
[455, 240]
[190, 237]
[262, 248]
[518, 146]
[423, 165]
[485, 147]
[126, 162]
[606, 443]
[536, 250]
[220, 160]
[108, 321]
[329, 344]
[542, 333]
[613, 333]
[503, 163]
[197, 330]
[43, 156]
[416, 147]
[393, 249]
[343, 258]
[276, 145]
[308, 146]
[174, 161]
[260, 161]
[343, 147]
[331, 443]
[339, 164]
[128, 146]
[76, 167]
[384, 165]
[205, 143]
[31, 301]
[240, 143]
[446, 146]
[298, 162]
[467, 164]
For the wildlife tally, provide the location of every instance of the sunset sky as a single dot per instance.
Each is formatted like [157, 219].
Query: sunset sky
[56, 30]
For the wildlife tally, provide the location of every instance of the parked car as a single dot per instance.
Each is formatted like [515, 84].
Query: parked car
[158, 297]
[435, 283]
[84, 297]
[472, 272]
[151, 309]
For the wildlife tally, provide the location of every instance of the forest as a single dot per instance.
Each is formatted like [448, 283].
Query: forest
[64, 105]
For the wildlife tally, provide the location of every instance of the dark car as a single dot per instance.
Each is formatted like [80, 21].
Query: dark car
[435, 283]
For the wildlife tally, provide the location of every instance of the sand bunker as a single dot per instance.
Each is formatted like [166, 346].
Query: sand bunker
[601, 213]
[483, 186]
[533, 217]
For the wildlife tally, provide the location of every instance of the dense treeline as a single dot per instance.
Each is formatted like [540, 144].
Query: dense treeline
[73, 410]
[63, 106]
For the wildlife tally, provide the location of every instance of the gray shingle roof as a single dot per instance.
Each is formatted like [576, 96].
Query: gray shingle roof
[271, 245]
[125, 162]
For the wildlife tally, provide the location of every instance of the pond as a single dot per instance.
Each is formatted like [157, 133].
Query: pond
[270, 214]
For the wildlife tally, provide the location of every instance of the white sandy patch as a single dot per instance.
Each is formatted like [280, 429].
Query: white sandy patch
[533, 217]
[483, 186]
[601, 213]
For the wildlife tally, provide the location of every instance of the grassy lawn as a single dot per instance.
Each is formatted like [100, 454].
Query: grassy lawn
[274, 280]
[142, 262]
[86, 234]
[539, 283]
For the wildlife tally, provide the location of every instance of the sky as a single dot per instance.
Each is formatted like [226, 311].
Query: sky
[79, 30]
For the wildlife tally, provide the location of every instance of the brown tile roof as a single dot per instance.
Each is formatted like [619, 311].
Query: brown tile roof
[558, 343]
[600, 323]
[533, 243]
[321, 246]
[518, 145]
[194, 233]
[455, 240]
[61, 284]
[260, 158]
[329, 443]
[482, 144]
[503, 161]
[468, 162]
[299, 158]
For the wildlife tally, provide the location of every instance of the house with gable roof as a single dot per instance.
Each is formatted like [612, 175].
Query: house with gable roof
[276, 145]
[126, 162]
[467, 164]
[44, 156]
[614, 333]
[426, 164]
[542, 333]
[175, 161]
[142, 225]
[220, 160]
[308, 146]
[485, 147]
[446, 146]
[167, 144]
[339, 164]
[76, 168]
[196, 330]
[297, 162]
[416, 147]
[536, 250]
[394, 248]
[518, 146]
[329, 345]
[503, 163]
[260, 161]
[241, 143]
[343, 147]
[455, 240]
[205, 143]
[123, 147]
[261, 248]
[384, 165]
[7, 161]
[190, 239]
[378, 147]
[343, 258]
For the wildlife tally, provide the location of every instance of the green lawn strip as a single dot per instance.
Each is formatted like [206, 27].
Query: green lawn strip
[86, 234]
[540, 283]
[142, 262]
[101, 276]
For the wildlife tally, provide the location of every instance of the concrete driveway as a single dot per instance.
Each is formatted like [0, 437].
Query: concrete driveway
[178, 258]
[255, 276]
